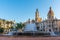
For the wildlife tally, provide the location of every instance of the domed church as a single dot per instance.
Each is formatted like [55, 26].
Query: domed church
[51, 24]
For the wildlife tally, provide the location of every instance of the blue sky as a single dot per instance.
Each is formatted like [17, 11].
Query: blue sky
[22, 10]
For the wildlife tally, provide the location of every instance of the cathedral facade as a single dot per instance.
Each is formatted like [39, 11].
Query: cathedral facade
[51, 24]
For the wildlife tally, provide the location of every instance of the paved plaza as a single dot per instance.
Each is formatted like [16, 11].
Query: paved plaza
[28, 38]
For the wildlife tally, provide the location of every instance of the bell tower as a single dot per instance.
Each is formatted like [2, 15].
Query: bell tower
[37, 18]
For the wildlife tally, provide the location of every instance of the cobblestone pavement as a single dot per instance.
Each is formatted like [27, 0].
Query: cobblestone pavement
[28, 38]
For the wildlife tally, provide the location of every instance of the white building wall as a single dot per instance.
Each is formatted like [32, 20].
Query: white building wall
[46, 26]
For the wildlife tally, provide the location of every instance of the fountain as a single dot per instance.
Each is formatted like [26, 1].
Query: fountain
[53, 34]
[31, 30]
[30, 27]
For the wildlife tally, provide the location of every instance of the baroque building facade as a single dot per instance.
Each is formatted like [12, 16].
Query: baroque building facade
[6, 24]
[51, 24]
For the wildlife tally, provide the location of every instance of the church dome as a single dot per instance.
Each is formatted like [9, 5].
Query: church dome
[51, 13]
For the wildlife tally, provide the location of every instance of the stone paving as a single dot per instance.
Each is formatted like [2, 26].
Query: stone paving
[28, 38]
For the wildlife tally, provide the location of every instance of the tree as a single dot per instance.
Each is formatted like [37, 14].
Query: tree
[1, 30]
[20, 25]
[11, 28]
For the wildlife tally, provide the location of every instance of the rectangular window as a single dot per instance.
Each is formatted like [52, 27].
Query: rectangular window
[49, 25]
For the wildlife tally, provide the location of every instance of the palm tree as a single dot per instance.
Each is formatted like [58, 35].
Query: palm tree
[20, 25]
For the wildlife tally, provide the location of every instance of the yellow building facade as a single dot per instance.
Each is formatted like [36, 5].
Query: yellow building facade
[6, 24]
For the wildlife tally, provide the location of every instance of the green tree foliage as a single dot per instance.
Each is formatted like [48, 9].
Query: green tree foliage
[1, 30]
[20, 25]
[12, 27]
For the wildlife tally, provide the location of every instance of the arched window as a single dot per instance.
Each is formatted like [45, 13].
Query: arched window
[49, 30]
